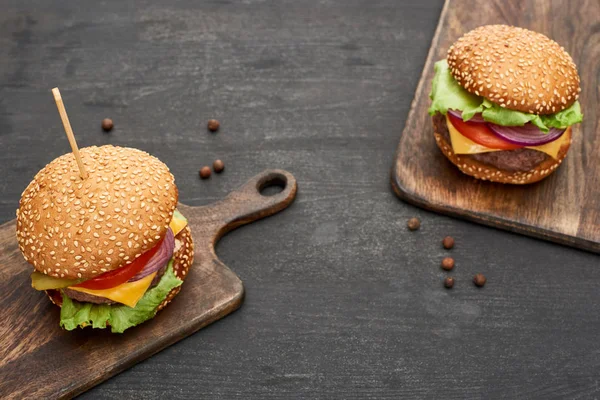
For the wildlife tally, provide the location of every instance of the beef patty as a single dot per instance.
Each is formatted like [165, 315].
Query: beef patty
[519, 160]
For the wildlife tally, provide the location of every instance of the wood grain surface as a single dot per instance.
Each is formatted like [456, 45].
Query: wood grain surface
[565, 207]
[341, 300]
[80, 359]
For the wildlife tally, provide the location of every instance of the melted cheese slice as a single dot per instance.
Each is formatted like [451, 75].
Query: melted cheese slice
[177, 223]
[464, 145]
[128, 293]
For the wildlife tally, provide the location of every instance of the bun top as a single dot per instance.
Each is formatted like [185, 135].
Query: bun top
[516, 68]
[73, 228]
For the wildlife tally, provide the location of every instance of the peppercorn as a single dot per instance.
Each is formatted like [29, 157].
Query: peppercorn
[218, 166]
[205, 172]
[448, 263]
[479, 280]
[449, 282]
[414, 224]
[213, 125]
[448, 242]
[107, 124]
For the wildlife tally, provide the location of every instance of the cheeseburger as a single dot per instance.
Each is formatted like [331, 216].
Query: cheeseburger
[503, 103]
[111, 250]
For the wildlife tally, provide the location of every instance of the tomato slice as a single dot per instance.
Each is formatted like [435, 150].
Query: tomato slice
[481, 134]
[121, 275]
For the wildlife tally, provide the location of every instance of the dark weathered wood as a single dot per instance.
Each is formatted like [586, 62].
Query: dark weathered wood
[341, 300]
[38, 359]
[565, 207]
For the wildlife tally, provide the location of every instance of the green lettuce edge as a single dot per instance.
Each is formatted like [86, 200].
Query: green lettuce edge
[74, 314]
[447, 94]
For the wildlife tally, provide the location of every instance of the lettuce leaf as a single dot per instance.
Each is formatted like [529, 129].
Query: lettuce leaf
[74, 314]
[447, 94]
[567, 117]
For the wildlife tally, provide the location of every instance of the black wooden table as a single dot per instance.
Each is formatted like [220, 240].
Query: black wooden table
[342, 300]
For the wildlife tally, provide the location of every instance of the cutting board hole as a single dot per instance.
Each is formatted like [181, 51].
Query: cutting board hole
[272, 186]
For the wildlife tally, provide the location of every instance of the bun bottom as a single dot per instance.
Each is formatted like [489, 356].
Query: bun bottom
[183, 259]
[468, 165]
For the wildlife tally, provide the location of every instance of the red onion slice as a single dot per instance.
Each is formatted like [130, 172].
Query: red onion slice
[477, 118]
[159, 259]
[526, 135]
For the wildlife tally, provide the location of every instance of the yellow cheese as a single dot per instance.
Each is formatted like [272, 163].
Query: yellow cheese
[553, 147]
[177, 223]
[128, 293]
[464, 145]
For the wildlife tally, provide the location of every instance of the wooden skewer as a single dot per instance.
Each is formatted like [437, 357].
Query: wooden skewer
[69, 131]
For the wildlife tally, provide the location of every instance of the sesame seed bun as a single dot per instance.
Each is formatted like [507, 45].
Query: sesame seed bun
[479, 170]
[72, 228]
[516, 68]
[183, 258]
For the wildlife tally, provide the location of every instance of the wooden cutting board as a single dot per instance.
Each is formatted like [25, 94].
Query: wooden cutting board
[40, 360]
[565, 207]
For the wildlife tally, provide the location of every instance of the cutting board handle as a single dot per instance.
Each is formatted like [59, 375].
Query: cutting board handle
[240, 207]
[249, 204]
